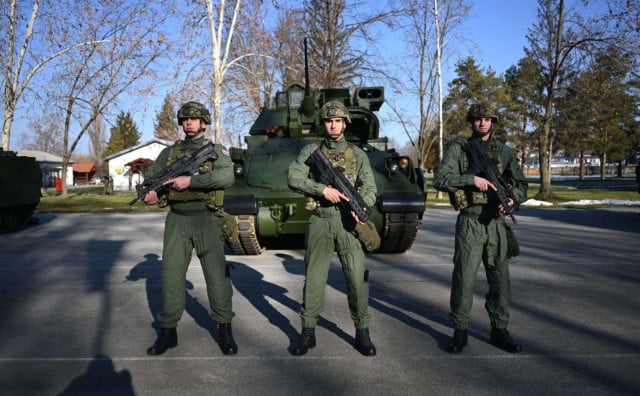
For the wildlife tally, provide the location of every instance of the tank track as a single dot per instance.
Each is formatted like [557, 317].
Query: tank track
[399, 231]
[248, 243]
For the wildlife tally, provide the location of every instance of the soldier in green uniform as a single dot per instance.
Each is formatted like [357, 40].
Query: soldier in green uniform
[192, 224]
[329, 229]
[481, 231]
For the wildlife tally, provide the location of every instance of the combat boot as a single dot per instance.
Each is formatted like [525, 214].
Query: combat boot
[500, 338]
[225, 339]
[307, 341]
[364, 344]
[168, 338]
[458, 341]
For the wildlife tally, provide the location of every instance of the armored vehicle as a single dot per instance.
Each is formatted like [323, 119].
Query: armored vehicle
[264, 205]
[20, 182]
[262, 202]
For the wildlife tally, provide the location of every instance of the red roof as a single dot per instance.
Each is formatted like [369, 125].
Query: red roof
[86, 167]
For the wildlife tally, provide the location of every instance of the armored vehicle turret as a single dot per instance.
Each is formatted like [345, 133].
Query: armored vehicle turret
[20, 182]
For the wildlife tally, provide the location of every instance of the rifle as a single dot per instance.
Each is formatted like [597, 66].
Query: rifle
[480, 164]
[184, 165]
[335, 177]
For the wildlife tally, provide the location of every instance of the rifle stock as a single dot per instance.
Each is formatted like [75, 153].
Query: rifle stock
[480, 164]
[184, 165]
[334, 177]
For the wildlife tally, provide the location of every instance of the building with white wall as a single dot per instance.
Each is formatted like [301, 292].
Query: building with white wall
[124, 166]
[50, 165]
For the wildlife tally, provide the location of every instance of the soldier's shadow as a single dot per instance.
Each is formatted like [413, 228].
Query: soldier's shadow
[151, 271]
[379, 299]
[251, 284]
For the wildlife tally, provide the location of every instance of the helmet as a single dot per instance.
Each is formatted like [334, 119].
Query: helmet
[332, 109]
[481, 110]
[194, 110]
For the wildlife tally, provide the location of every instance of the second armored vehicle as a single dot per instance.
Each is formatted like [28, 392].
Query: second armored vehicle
[20, 182]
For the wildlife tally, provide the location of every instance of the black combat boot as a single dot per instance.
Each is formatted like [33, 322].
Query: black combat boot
[225, 339]
[458, 341]
[364, 344]
[500, 338]
[168, 338]
[307, 341]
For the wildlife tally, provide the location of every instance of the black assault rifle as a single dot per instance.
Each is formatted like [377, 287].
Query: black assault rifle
[480, 164]
[184, 165]
[335, 178]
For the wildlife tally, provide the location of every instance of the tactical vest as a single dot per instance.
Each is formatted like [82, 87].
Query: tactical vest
[470, 195]
[345, 160]
[213, 198]
[492, 150]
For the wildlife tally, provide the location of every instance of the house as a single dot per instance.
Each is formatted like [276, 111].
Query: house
[127, 167]
[50, 165]
[84, 173]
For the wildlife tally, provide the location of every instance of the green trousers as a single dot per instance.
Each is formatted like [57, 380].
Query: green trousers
[477, 243]
[324, 237]
[183, 234]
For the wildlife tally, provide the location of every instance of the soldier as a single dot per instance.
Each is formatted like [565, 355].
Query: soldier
[192, 224]
[328, 229]
[481, 231]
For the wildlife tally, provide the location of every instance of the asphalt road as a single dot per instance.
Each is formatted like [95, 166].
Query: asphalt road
[79, 293]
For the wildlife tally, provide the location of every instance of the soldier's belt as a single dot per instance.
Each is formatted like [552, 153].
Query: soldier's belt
[196, 212]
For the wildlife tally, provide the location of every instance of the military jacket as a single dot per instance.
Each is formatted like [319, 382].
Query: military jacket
[301, 179]
[451, 176]
[216, 175]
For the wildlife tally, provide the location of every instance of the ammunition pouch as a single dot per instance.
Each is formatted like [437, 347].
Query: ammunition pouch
[368, 235]
[228, 226]
[465, 197]
[513, 246]
[163, 202]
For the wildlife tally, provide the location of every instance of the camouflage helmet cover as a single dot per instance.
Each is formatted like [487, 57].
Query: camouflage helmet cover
[194, 110]
[333, 109]
[481, 110]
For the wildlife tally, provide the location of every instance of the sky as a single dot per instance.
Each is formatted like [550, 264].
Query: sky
[497, 36]
[499, 29]
[496, 32]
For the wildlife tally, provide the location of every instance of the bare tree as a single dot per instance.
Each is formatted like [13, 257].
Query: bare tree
[97, 139]
[427, 28]
[124, 43]
[333, 27]
[252, 82]
[557, 37]
[221, 30]
[20, 60]
[46, 134]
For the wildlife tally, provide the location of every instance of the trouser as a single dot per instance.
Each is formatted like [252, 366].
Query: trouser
[324, 236]
[182, 235]
[476, 243]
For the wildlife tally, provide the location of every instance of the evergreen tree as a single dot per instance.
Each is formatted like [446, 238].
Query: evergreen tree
[471, 85]
[166, 126]
[598, 113]
[123, 135]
